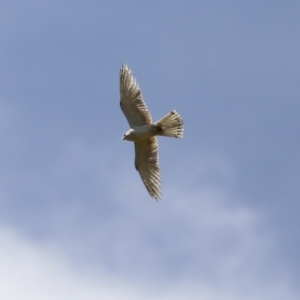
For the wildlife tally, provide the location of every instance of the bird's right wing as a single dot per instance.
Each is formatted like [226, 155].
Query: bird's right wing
[132, 104]
[146, 163]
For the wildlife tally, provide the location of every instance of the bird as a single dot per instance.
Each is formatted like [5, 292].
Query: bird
[143, 131]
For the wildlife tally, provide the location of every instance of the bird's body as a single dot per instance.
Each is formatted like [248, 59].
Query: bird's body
[143, 132]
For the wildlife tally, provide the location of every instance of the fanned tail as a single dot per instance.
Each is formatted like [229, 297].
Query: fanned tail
[171, 125]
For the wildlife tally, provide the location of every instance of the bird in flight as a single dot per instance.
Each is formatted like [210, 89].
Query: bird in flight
[143, 132]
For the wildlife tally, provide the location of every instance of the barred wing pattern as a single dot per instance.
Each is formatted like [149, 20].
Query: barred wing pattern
[146, 163]
[132, 104]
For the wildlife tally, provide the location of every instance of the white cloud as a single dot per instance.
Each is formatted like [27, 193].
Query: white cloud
[31, 271]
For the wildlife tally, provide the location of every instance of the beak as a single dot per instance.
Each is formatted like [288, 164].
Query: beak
[123, 137]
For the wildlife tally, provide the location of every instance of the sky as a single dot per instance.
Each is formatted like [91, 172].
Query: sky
[75, 219]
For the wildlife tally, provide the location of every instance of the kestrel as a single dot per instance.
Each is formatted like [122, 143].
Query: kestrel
[142, 131]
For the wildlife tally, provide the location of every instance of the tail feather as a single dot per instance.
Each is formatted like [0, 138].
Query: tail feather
[171, 125]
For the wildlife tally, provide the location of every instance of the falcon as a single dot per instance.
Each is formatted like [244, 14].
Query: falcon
[143, 131]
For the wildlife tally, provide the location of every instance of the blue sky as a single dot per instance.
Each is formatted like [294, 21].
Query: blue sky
[75, 219]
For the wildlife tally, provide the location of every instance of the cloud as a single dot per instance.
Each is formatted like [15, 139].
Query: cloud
[29, 271]
[32, 271]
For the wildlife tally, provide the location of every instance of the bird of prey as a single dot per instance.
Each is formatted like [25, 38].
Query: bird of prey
[143, 132]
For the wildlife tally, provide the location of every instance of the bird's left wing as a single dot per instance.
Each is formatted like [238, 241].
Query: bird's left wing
[132, 104]
[146, 163]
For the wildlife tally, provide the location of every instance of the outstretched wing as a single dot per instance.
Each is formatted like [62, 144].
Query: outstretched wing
[132, 104]
[146, 163]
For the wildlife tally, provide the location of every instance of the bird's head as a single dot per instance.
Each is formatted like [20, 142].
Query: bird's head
[129, 135]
